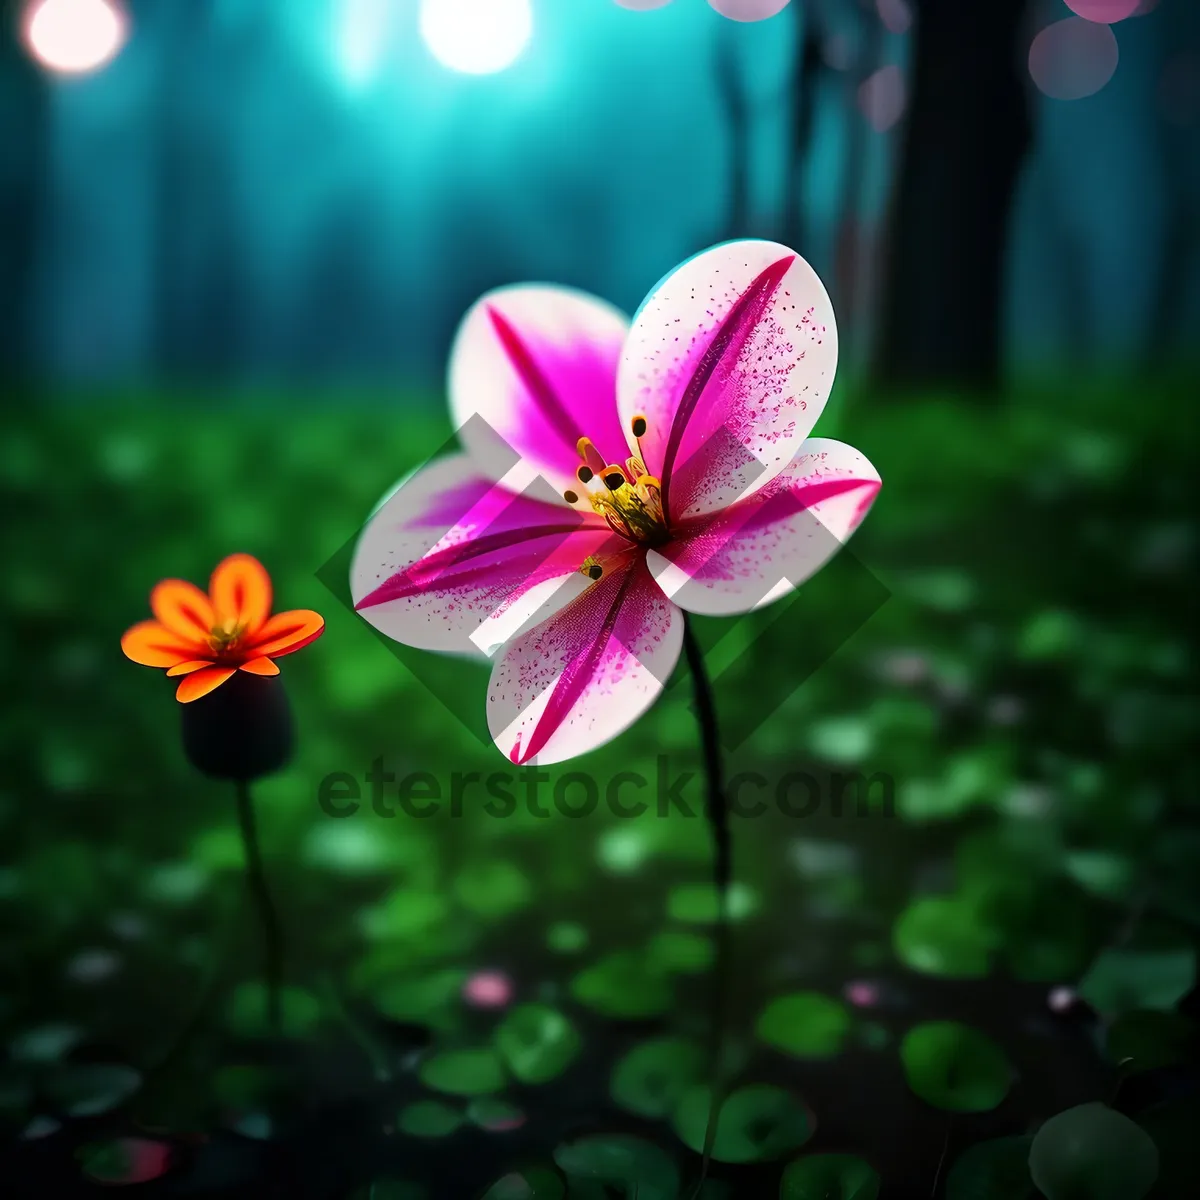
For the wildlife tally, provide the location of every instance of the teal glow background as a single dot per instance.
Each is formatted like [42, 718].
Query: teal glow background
[231, 267]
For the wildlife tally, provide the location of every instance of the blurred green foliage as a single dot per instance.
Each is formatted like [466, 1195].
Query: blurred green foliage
[1028, 687]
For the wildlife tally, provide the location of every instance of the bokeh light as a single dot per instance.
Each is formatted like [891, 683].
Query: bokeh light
[364, 37]
[476, 37]
[1104, 12]
[1073, 58]
[643, 5]
[882, 97]
[748, 10]
[74, 37]
[488, 989]
[896, 15]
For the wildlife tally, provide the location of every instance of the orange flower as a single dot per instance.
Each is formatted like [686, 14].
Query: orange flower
[207, 638]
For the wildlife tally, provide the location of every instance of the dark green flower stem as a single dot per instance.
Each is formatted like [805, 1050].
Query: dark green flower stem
[717, 812]
[267, 913]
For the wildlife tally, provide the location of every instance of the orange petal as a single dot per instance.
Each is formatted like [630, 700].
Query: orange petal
[241, 592]
[152, 645]
[186, 668]
[287, 632]
[260, 666]
[192, 687]
[184, 609]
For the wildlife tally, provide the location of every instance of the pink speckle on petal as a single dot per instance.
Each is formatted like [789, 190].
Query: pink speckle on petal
[1073, 58]
[883, 96]
[1103, 12]
[488, 989]
[862, 994]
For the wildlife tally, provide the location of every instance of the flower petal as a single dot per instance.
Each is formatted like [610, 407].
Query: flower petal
[533, 369]
[768, 544]
[184, 609]
[152, 645]
[241, 592]
[730, 360]
[285, 633]
[186, 668]
[457, 563]
[577, 680]
[192, 687]
[260, 666]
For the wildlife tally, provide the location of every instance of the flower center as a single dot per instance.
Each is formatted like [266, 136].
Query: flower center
[627, 498]
[225, 636]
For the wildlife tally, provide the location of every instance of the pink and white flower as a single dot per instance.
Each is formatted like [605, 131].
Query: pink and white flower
[616, 475]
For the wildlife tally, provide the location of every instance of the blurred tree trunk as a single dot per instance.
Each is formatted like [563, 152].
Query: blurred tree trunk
[25, 113]
[732, 90]
[967, 133]
[806, 76]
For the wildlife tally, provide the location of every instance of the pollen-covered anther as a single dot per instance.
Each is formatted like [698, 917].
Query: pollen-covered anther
[614, 478]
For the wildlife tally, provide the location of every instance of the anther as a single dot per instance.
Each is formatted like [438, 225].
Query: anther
[638, 425]
[595, 571]
[570, 497]
[614, 479]
[585, 474]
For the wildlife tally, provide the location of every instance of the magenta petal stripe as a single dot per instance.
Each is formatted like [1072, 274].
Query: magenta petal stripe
[531, 375]
[438, 567]
[575, 677]
[727, 343]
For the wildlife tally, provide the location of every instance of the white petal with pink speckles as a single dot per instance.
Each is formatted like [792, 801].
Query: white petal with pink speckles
[768, 544]
[532, 370]
[730, 360]
[456, 563]
[577, 680]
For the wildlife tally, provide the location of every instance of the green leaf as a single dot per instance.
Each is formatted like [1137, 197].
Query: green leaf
[429, 1119]
[638, 1167]
[652, 1077]
[566, 937]
[943, 936]
[87, 1089]
[757, 1123]
[425, 999]
[530, 1183]
[494, 1115]
[246, 1011]
[493, 889]
[829, 1177]
[954, 1067]
[696, 903]
[623, 985]
[1093, 1151]
[537, 1042]
[124, 1161]
[993, 1170]
[1156, 970]
[681, 952]
[1144, 1039]
[805, 1025]
[463, 1072]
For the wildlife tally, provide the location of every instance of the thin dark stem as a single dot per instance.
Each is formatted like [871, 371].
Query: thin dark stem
[717, 811]
[269, 917]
